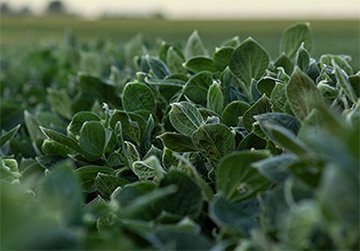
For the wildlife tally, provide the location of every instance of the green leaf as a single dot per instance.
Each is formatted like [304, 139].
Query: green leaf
[232, 42]
[137, 97]
[131, 153]
[284, 137]
[94, 89]
[215, 98]
[211, 117]
[143, 203]
[255, 94]
[175, 61]
[319, 119]
[196, 88]
[9, 170]
[148, 169]
[130, 127]
[293, 37]
[168, 159]
[48, 161]
[187, 201]
[8, 135]
[61, 139]
[344, 83]
[282, 119]
[302, 58]
[130, 192]
[261, 106]
[184, 162]
[168, 87]
[231, 86]
[284, 62]
[214, 141]
[266, 86]
[177, 142]
[275, 168]
[184, 225]
[32, 126]
[282, 76]
[221, 57]
[158, 67]
[234, 216]
[153, 151]
[185, 117]
[331, 147]
[134, 47]
[146, 140]
[278, 98]
[233, 112]
[249, 61]
[345, 209]
[54, 237]
[87, 175]
[180, 240]
[149, 201]
[50, 147]
[251, 141]
[355, 83]
[236, 179]
[61, 193]
[302, 94]
[92, 140]
[299, 223]
[327, 91]
[11, 164]
[194, 46]
[105, 184]
[79, 119]
[329, 60]
[60, 102]
[198, 64]
[90, 63]
[307, 171]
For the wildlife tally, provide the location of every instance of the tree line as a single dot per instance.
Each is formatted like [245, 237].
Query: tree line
[52, 8]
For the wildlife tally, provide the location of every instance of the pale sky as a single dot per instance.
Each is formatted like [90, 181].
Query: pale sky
[209, 8]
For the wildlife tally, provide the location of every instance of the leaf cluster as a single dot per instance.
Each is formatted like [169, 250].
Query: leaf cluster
[119, 147]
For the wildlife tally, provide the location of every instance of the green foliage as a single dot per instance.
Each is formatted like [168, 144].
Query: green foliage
[198, 64]
[185, 117]
[92, 140]
[177, 142]
[8, 135]
[261, 106]
[236, 179]
[249, 61]
[215, 98]
[138, 97]
[233, 112]
[196, 88]
[302, 94]
[222, 57]
[214, 141]
[194, 46]
[179, 150]
[187, 201]
[293, 37]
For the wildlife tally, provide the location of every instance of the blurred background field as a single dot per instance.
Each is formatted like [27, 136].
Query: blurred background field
[330, 36]
[335, 25]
